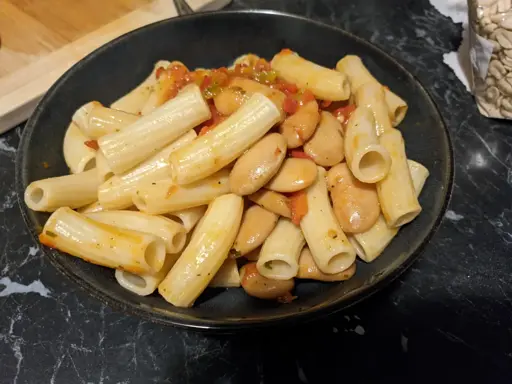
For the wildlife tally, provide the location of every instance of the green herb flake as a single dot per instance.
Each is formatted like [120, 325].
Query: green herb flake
[268, 265]
[50, 233]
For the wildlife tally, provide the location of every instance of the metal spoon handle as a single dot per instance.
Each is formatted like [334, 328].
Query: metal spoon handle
[182, 7]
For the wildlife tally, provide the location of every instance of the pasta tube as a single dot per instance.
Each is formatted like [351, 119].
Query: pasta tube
[95, 120]
[139, 141]
[188, 217]
[325, 83]
[116, 193]
[370, 244]
[368, 160]
[398, 200]
[78, 156]
[145, 283]
[98, 243]
[90, 208]
[279, 256]
[160, 91]
[136, 98]
[372, 96]
[165, 196]
[103, 170]
[72, 191]
[173, 234]
[309, 270]
[227, 276]
[353, 67]
[328, 244]
[226, 142]
[206, 252]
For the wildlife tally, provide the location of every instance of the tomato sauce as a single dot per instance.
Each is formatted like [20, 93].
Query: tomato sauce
[211, 83]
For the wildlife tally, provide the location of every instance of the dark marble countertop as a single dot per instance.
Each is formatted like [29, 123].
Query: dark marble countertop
[447, 318]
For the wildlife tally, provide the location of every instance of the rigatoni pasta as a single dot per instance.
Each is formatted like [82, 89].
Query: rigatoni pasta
[397, 196]
[73, 191]
[134, 101]
[372, 95]
[279, 256]
[144, 284]
[370, 244]
[188, 217]
[95, 120]
[220, 178]
[206, 252]
[358, 75]
[135, 143]
[78, 155]
[103, 244]
[116, 192]
[172, 233]
[166, 196]
[368, 160]
[225, 143]
[325, 83]
[328, 244]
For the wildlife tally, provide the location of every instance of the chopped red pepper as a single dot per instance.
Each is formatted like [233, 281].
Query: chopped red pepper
[211, 123]
[287, 88]
[93, 144]
[290, 105]
[298, 154]
[299, 206]
[346, 112]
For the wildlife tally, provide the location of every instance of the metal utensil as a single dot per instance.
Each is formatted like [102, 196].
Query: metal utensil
[182, 7]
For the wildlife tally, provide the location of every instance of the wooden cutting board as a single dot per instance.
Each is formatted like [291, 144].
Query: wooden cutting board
[41, 39]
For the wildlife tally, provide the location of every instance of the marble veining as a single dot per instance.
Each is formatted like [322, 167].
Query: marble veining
[452, 310]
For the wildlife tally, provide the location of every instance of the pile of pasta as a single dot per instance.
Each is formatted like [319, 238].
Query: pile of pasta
[253, 175]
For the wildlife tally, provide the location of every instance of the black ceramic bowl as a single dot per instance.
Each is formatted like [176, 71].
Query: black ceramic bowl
[214, 40]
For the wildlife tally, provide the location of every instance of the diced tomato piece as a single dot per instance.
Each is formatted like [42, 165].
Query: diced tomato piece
[290, 105]
[93, 144]
[345, 112]
[298, 154]
[325, 103]
[219, 77]
[211, 123]
[287, 88]
[262, 65]
[299, 206]
[178, 71]
[307, 96]
[207, 81]
[159, 72]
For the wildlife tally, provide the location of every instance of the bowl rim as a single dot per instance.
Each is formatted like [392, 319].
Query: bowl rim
[149, 313]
